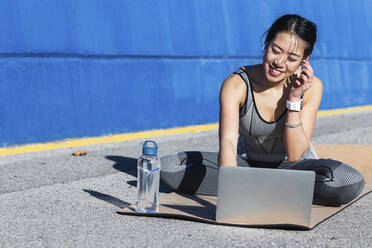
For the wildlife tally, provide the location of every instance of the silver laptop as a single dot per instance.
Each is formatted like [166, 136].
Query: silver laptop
[260, 196]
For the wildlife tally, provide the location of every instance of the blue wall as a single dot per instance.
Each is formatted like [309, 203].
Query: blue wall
[76, 68]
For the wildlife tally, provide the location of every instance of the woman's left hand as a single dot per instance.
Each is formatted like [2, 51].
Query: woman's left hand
[301, 83]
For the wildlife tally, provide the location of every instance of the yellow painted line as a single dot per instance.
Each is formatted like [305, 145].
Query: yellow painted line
[344, 110]
[105, 139]
[140, 135]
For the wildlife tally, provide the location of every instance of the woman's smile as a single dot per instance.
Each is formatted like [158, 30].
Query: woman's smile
[273, 72]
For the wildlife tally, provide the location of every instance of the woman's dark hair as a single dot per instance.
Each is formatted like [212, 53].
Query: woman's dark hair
[297, 25]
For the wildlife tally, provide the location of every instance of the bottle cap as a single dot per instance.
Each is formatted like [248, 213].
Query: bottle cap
[150, 150]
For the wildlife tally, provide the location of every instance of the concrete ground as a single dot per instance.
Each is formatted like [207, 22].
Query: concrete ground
[52, 199]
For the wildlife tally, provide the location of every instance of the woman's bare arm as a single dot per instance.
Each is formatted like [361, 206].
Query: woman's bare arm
[232, 96]
[297, 140]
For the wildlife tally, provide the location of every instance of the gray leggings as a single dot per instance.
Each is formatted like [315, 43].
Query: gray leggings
[196, 172]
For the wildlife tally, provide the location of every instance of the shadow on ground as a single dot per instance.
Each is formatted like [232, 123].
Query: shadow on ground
[124, 164]
[129, 166]
[107, 198]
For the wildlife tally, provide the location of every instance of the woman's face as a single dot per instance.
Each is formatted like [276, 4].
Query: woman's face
[283, 56]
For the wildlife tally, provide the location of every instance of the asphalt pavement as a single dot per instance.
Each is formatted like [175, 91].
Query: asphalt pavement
[53, 199]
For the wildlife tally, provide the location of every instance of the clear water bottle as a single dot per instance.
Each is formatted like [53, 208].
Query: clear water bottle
[148, 176]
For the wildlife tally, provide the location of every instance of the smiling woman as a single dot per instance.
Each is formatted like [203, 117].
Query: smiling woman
[267, 117]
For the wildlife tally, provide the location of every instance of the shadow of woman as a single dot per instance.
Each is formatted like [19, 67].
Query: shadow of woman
[128, 165]
[124, 164]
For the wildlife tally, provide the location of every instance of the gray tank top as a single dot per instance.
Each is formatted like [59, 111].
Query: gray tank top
[260, 140]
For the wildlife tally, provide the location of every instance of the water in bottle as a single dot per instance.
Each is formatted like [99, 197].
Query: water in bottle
[148, 176]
